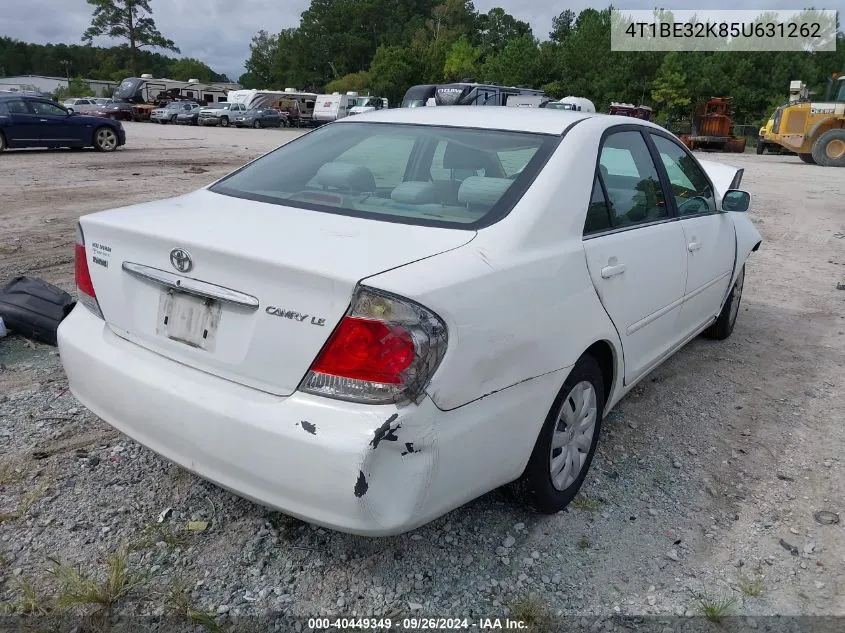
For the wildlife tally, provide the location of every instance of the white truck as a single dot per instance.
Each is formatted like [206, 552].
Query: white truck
[220, 113]
[361, 104]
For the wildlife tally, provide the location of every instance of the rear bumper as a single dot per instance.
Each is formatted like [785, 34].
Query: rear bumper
[314, 458]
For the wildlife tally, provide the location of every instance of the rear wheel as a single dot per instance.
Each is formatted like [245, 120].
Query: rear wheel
[2, 142]
[105, 139]
[761, 147]
[829, 149]
[257, 124]
[724, 324]
[807, 158]
[567, 442]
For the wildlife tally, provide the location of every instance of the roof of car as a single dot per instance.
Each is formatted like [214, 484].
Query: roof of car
[485, 117]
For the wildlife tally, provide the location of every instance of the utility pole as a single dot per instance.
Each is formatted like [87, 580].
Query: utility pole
[66, 64]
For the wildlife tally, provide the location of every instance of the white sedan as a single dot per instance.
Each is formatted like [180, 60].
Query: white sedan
[400, 311]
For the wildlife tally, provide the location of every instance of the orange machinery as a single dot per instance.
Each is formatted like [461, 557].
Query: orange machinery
[712, 127]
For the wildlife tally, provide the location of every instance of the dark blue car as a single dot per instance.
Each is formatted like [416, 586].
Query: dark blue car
[29, 121]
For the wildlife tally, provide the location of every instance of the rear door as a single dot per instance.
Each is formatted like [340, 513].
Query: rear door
[709, 235]
[24, 126]
[636, 250]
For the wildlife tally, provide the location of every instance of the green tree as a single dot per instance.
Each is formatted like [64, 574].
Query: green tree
[190, 68]
[516, 65]
[353, 82]
[461, 60]
[77, 87]
[670, 88]
[562, 26]
[129, 20]
[263, 50]
[497, 27]
[392, 72]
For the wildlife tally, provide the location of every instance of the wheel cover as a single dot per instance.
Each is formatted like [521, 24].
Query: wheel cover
[106, 139]
[573, 435]
[835, 149]
[736, 296]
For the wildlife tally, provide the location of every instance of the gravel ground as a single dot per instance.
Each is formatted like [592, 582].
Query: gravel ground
[703, 491]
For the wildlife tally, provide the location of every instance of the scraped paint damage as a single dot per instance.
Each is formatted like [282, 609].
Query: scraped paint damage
[361, 486]
[309, 427]
[409, 448]
[386, 432]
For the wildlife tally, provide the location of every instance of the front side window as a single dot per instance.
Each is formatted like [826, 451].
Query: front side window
[46, 109]
[630, 176]
[693, 193]
[438, 176]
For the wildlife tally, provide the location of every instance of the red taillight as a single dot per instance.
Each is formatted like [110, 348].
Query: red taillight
[384, 350]
[83, 276]
[363, 349]
[84, 285]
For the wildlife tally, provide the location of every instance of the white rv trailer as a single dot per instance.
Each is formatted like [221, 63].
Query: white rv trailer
[579, 104]
[332, 107]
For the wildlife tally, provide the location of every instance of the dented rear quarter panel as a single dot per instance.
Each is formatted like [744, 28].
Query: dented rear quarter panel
[518, 300]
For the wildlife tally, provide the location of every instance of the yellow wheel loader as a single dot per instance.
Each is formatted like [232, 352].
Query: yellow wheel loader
[812, 129]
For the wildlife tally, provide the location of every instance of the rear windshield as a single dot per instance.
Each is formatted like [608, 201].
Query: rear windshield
[414, 174]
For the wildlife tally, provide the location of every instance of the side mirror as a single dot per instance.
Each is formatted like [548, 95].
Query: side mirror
[736, 200]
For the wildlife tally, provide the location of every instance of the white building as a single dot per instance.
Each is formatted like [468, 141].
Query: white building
[49, 85]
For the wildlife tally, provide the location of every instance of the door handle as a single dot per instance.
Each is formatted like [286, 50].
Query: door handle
[693, 246]
[611, 271]
[43, 120]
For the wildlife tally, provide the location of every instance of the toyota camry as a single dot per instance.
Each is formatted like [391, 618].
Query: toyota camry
[400, 311]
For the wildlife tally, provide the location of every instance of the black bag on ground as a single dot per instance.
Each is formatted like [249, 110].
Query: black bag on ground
[33, 308]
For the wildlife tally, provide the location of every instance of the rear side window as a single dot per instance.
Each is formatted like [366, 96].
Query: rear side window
[415, 174]
[634, 192]
[598, 214]
[17, 106]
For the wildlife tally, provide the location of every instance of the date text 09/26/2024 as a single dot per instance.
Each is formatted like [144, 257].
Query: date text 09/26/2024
[415, 624]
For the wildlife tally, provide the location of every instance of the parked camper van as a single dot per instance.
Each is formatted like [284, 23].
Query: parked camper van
[331, 107]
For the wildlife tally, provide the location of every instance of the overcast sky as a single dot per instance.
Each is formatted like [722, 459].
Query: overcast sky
[218, 32]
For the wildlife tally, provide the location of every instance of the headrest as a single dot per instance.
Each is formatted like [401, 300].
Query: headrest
[346, 177]
[481, 191]
[414, 192]
[459, 156]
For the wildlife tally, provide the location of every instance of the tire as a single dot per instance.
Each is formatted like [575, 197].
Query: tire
[761, 147]
[105, 139]
[257, 124]
[724, 324]
[224, 122]
[829, 149]
[584, 389]
[807, 158]
[2, 142]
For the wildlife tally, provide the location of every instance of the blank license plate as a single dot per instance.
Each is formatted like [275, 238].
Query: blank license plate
[188, 319]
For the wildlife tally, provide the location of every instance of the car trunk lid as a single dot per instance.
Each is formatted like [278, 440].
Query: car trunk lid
[265, 286]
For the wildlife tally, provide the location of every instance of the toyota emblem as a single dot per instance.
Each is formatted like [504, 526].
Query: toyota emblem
[181, 260]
